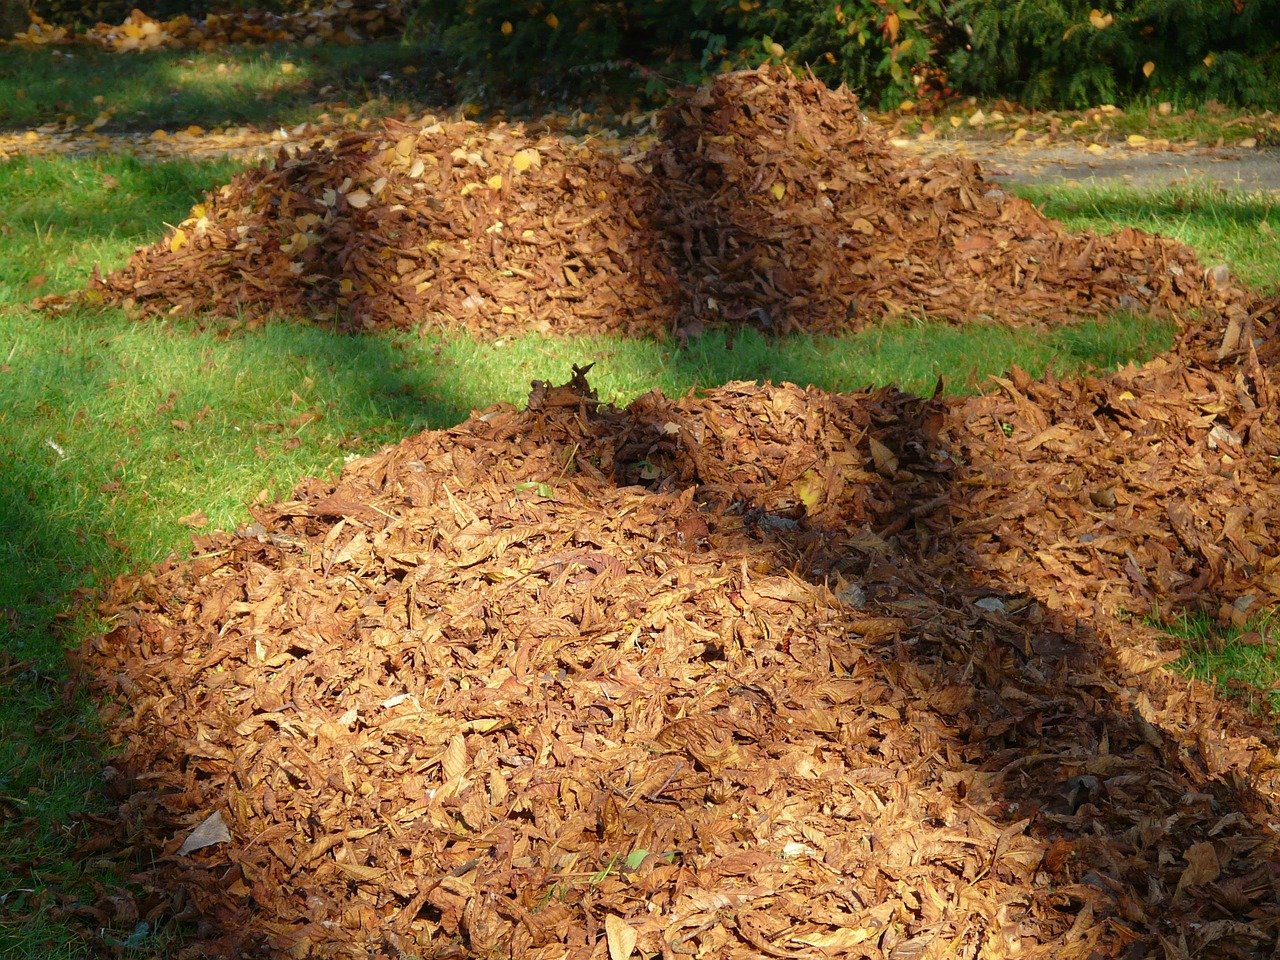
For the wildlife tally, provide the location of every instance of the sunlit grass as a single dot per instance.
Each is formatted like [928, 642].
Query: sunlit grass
[1224, 226]
[1243, 662]
[61, 215]
[232, 85]
[115, 430]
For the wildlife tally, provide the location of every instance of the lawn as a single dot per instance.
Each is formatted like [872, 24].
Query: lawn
[122, 437]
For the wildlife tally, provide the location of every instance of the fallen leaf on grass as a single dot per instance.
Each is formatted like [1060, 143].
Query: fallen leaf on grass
[197, 518]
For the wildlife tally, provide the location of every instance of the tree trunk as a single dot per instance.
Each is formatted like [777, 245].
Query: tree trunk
[13, 17]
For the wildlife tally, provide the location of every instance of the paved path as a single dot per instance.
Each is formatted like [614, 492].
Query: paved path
[1250, 170]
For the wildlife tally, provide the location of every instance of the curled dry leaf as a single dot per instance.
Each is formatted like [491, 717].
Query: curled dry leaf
[211, 830]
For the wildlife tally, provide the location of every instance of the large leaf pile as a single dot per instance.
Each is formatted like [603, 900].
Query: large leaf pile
[765, 200]
[762, 672]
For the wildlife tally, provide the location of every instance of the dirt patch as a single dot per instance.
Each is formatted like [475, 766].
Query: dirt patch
[767, 200]
[763, 671]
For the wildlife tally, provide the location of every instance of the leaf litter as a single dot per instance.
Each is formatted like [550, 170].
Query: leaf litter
[764, 199]
[759, 671]
[339, 21]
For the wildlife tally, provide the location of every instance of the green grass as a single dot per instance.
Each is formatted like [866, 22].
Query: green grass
[1243, 662]
[114, 430]
[1240, 229]
[60, 216]
[233, 85]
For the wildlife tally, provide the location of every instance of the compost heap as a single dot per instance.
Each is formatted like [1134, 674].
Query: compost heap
[765, 671]
[766, 200]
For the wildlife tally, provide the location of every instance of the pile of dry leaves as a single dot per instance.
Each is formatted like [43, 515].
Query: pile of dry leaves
[762, 672]
[341, 21]
[765, 200]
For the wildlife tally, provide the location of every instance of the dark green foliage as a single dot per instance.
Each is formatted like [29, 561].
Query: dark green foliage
[1071, 53]
[86, 13]
[882, 48]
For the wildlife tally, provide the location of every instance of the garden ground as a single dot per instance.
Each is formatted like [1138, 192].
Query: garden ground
[127, 435]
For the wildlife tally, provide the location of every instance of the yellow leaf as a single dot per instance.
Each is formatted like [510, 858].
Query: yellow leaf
[288, 67]
[553, 21]
[345, 285]
[507, 28]
[1135, 139]
[455, 763]
[494, 182]
[778, 49]
[1148, 68]
[160, 135]
[358, 199]
[810, 489]
[1096, 148]
[892, 24]
[525, 159]
[621, 937]
[1208, 60]
[178, 240]
[779, 190]
[194, 130]
[863, 226]
[843, 939]
[1100, 20]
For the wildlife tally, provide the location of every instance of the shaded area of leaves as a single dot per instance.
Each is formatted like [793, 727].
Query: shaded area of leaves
[762, 671]
[342, 21]
[767, 200]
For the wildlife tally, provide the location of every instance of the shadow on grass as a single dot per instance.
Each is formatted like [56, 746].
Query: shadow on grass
[114, 432]
[234, 85]
[1044, 683]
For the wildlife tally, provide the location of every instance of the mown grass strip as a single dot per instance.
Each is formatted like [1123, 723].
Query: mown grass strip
[1223, 225]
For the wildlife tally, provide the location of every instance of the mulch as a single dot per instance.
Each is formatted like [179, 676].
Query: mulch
[764, 200]
[763, 671]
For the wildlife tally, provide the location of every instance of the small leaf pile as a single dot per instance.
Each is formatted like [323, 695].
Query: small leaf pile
[340, 21]
[766, 671]
[765, 200]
